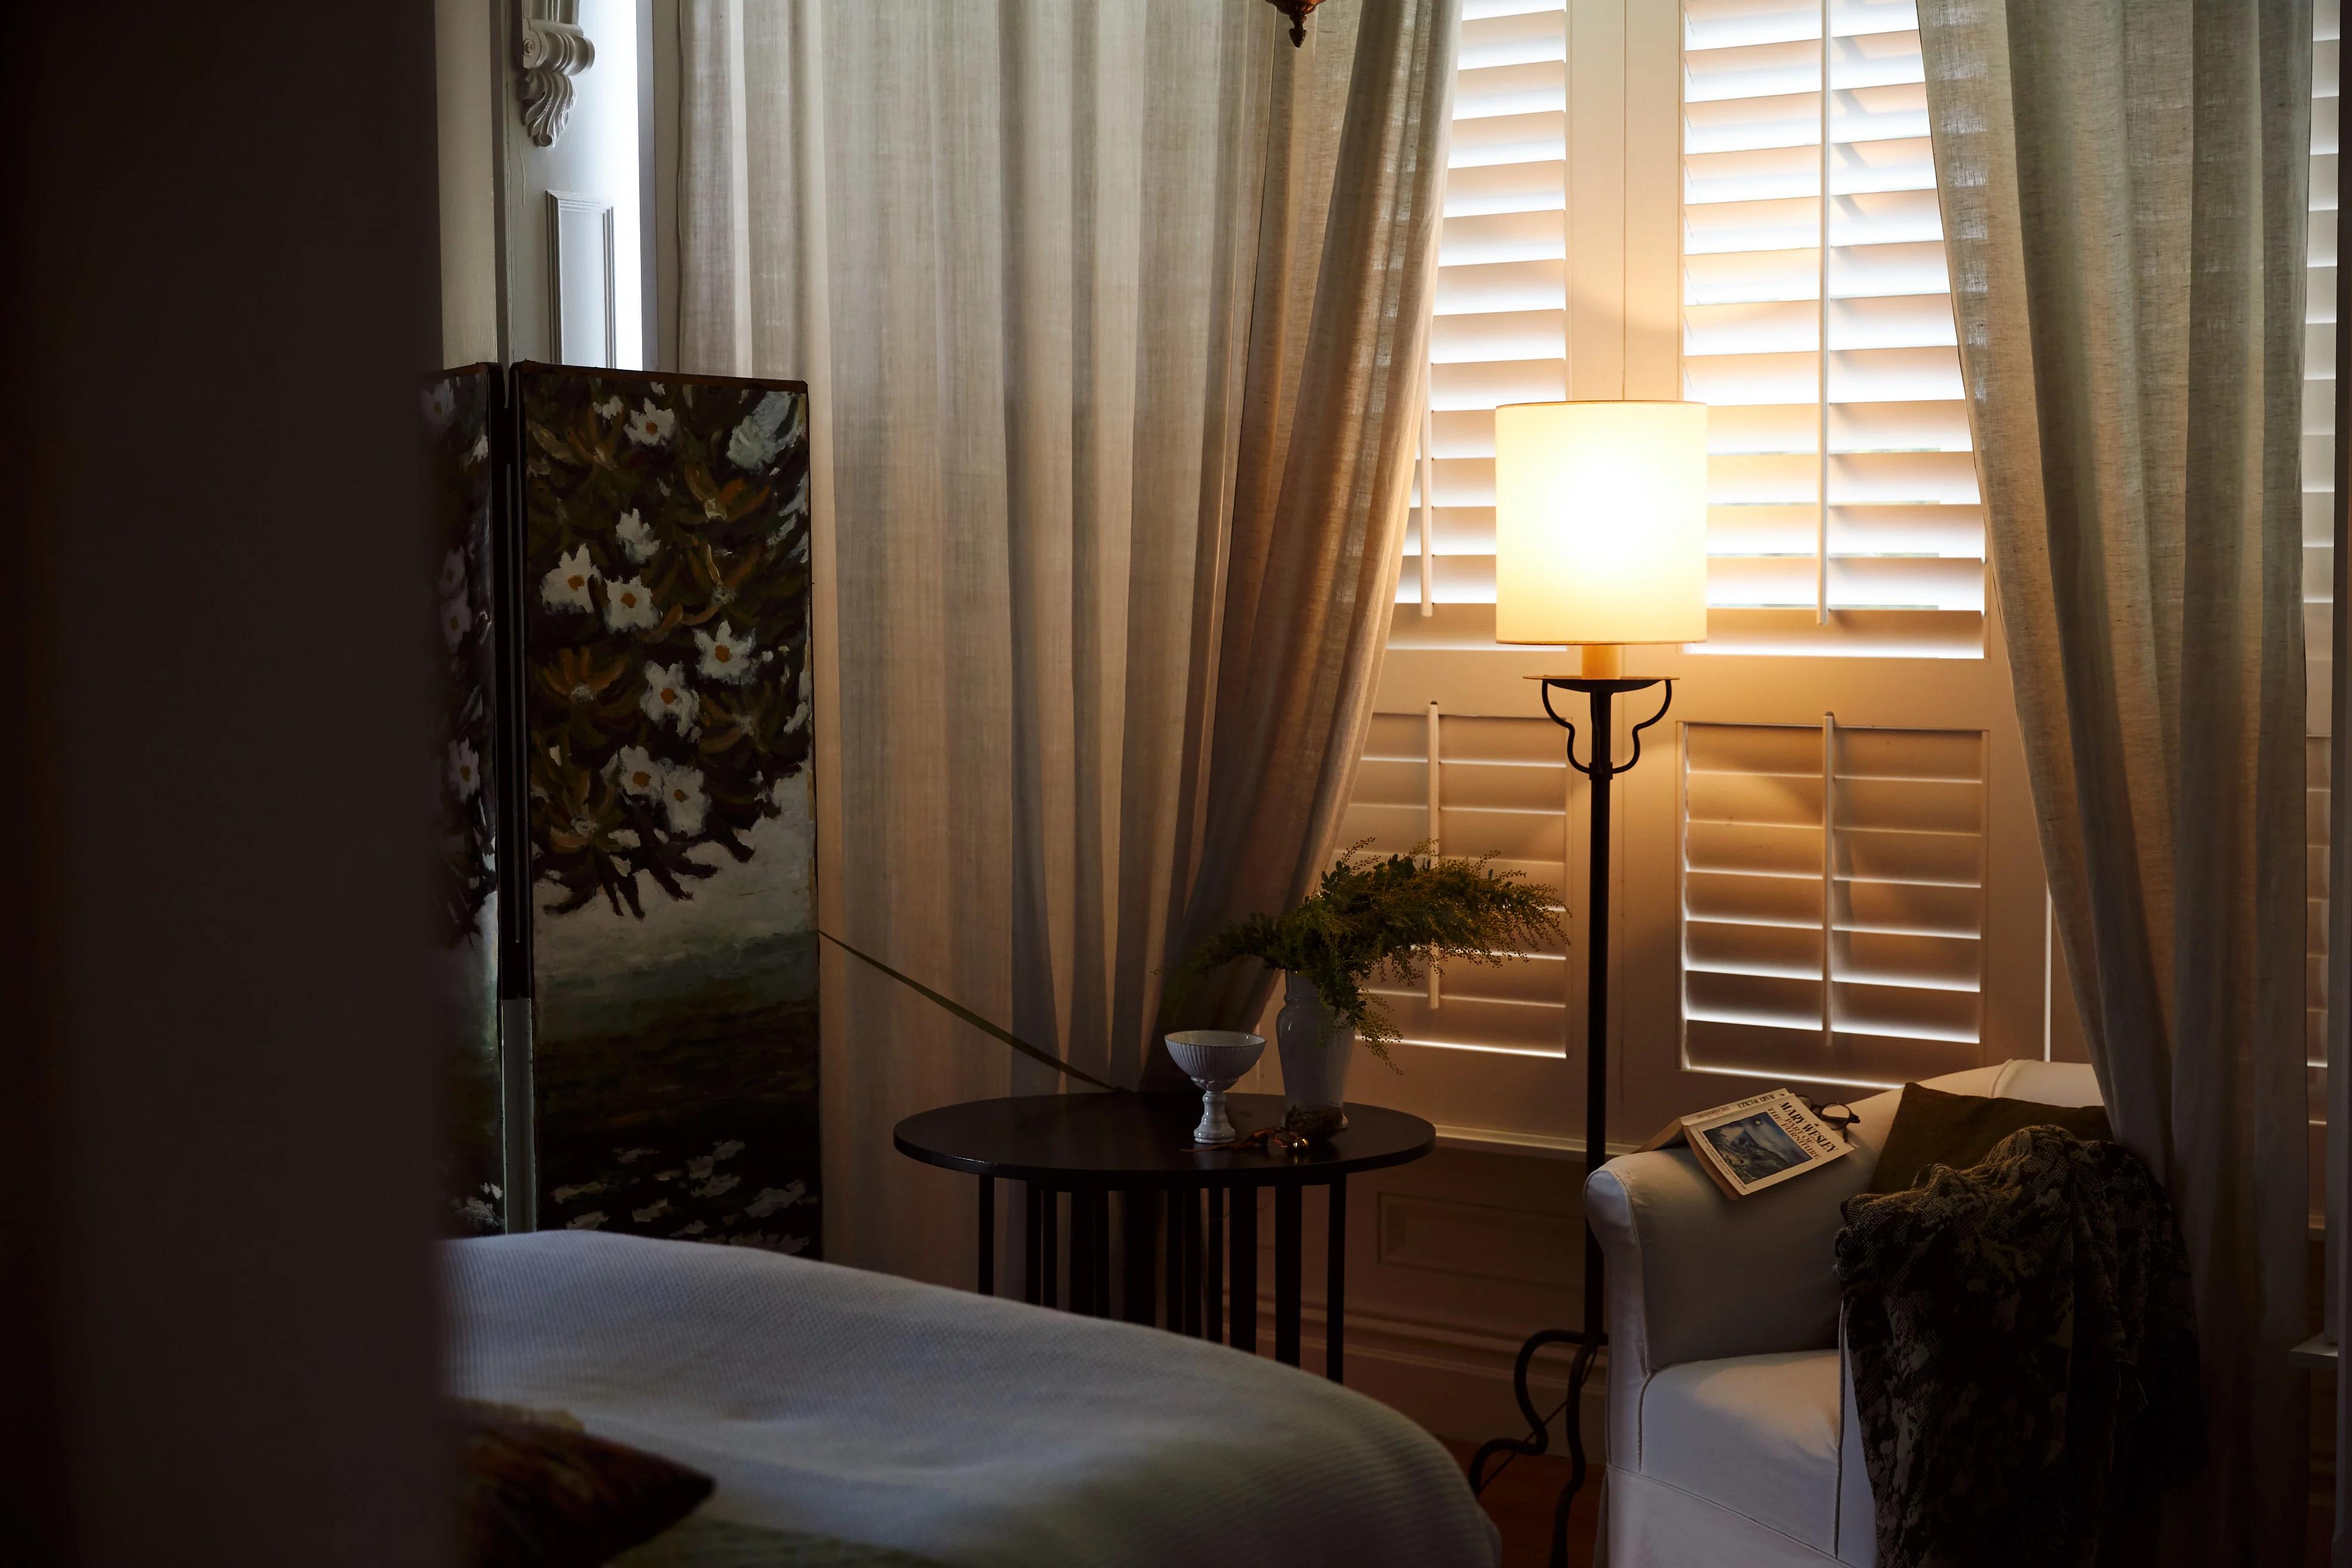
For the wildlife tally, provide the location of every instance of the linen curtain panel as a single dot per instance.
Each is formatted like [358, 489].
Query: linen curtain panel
[2124, 185]
[1113, 317]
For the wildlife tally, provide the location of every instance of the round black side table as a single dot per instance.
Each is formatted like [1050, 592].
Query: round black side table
[1140, 1147]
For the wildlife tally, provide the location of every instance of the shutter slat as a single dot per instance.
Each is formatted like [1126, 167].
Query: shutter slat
[1743, 278]
[1482, 92]
[1761, 531]
[1528, 787]
[1499, 334]
[1757, 429]
[1464, 481]
[1954, 963]
[1716, 997]
[1725, 380]
[1488, 383]
[1513, 39]
[1893, 321]
[1908, 530]
[1486, 239]
[1507, 139]
[1916, 1012]
[1779, 849]
[1873, 270]
[1537, 187]
[1898, 425]
[1729, 948]
[1506, 286]
[1768, 328]
[1782, 477]
[1890, 479]
[1759, 582]
[1906, 582]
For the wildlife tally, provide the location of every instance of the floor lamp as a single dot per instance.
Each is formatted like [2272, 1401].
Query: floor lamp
[1599, 541]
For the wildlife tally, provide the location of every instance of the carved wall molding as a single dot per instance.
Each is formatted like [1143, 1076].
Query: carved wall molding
[554, 50]
[582, 299]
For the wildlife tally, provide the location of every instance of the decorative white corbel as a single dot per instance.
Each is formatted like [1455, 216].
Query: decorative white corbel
[554, 50]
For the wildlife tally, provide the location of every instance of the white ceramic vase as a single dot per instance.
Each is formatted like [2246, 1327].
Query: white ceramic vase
[1316, 1051]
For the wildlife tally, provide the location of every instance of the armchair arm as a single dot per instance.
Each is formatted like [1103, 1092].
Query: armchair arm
[1693, 1276]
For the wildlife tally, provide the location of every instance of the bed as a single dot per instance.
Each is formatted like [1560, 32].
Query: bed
[833, 1403]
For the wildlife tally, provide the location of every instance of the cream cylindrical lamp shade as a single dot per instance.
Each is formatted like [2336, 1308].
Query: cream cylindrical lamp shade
[1600, 522]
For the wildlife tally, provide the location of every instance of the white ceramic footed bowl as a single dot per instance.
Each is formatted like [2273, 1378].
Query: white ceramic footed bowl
[1218, 1056]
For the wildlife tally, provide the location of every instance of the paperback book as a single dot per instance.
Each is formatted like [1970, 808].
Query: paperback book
[1753, 1144]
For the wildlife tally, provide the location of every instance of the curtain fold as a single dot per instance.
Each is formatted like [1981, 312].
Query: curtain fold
[1337, 342]
[2124, 185]
[1113, 317]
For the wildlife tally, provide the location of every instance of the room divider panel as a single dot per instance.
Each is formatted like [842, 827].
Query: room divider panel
[650, 696]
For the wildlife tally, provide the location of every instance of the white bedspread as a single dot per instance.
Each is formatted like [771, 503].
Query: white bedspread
[970, 1430]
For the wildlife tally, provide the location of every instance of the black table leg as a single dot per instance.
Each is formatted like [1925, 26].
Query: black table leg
[1050, 1262]
[1098, 1249]
[1242, 1336]
[1172, 1260]
[988, 1235]
[1335, 1286]
[1137, 1207]
[1099, 1221]
[1286, 1274]
[1191, 1285]
[1032, 1287]
[1212, 1270]
[1082, 1254]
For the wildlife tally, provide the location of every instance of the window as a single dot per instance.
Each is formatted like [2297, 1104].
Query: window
[1826, 867]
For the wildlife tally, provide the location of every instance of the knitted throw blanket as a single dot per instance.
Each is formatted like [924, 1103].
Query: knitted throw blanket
[2024, 1345]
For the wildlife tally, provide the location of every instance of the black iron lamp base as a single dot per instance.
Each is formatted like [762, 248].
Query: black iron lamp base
[1599, 692]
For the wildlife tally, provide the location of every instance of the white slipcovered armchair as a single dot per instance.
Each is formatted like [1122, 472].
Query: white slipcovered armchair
[1732, 1436]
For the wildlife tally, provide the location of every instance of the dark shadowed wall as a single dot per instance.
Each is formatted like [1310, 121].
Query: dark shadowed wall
[217, 286]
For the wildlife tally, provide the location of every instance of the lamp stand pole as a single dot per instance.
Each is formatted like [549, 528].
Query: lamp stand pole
[1600, 692]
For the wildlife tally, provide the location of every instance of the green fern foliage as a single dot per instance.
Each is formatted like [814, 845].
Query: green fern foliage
[1387, 917]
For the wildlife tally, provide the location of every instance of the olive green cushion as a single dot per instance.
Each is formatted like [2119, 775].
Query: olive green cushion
[1933, 1128]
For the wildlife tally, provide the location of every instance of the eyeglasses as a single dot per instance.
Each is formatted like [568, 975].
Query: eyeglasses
[1834, 1114]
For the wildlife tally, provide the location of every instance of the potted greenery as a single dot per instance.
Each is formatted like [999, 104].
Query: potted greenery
[1374, 915]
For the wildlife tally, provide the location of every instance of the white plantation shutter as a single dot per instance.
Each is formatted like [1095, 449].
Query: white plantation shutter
[1845, 517]
[1501, 789]
[1833, 901]
[1498, 332]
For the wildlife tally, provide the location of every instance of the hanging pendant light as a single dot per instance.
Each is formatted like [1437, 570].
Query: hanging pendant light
[1296, 11]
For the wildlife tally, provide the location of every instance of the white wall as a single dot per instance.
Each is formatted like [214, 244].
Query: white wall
[598, 156]
[465, 106]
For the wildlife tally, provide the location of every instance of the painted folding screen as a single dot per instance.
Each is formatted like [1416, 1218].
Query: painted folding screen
[462, 428]
[666, 700]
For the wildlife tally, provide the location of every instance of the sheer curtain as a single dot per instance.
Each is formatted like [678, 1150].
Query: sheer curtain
[2123, 187]
[1113, 317]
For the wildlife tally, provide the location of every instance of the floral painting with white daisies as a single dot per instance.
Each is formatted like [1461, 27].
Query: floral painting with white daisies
[666, 581]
